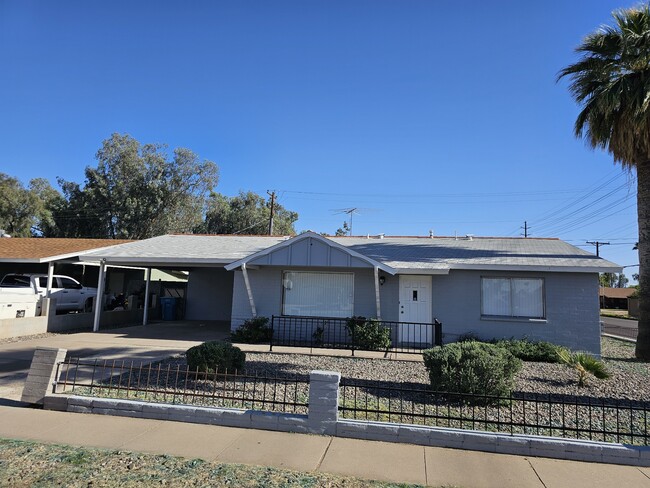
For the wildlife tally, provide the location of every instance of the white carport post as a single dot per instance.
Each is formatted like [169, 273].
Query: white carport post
[145, 315]
[378, 301]
[99, 299]
[248, 289]
[50, 278]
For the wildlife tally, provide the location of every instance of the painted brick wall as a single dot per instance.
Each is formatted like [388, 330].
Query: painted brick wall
[266, 285]
[572, 314]
[209, 294]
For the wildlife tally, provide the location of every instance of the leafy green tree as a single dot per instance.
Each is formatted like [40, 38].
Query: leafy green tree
[49, 200]
[24, 211]
[607, 279]
[246, 213]
[17, 207]
[343, 231]
[137, 191]
[611, 83]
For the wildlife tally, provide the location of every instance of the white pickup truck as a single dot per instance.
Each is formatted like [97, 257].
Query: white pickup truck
[70, 295]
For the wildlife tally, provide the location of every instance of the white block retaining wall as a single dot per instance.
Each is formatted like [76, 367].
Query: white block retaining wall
[323, 418]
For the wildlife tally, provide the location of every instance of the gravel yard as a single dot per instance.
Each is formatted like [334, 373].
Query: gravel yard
[630, 379]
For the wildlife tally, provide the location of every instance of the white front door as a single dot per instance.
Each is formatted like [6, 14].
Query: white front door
[415, 309]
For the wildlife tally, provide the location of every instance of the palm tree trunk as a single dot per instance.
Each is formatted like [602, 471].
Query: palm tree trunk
[643, 211]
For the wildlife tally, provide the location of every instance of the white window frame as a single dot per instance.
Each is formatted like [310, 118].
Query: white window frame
[510, 279]
[284, 289]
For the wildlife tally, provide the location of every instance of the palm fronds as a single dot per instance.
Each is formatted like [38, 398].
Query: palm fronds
[584, 364]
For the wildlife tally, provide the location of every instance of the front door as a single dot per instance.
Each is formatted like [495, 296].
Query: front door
[415, 309]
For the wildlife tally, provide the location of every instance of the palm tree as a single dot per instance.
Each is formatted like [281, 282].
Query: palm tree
[611, 83]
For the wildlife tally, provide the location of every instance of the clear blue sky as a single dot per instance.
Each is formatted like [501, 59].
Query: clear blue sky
[426, 115]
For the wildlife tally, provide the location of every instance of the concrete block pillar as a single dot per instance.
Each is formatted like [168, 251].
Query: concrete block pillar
[48, 307]
[42, 374]
[323, 401]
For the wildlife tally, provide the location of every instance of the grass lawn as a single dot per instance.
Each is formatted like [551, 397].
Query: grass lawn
[28, 464]
[617, 314]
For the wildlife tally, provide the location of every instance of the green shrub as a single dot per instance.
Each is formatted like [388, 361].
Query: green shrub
[471, 367]
[540, 351]
[368, 334]
[215, 356]
[253, 331]
[468, 337]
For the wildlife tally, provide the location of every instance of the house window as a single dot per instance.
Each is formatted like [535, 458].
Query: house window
[316, 294]
[512, 297]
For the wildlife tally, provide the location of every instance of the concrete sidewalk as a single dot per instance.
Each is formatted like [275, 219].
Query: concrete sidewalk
[364, 459]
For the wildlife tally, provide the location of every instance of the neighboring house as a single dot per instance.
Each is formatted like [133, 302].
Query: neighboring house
[543, 289]
[615, 297]
[35, 255]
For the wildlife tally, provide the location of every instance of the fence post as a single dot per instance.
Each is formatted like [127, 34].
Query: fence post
[323, 401]
[42, 374]
[352, 330]
[272, 332]
[438, 332]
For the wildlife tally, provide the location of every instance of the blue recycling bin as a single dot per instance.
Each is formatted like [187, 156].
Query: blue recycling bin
[168, 305]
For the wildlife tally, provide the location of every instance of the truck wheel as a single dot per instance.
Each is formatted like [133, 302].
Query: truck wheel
[88, 305]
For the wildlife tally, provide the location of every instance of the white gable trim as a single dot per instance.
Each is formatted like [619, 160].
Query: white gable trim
[318, 237]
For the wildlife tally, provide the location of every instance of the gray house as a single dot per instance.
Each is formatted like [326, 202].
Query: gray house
[543, 289]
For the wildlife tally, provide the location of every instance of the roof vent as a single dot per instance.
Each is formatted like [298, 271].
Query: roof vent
[381, 236]
[430, 233]
[469, 237]
[3, 233]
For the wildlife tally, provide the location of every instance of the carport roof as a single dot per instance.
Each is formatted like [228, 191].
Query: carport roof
[184, 250]
[405, 254]
[43, 250]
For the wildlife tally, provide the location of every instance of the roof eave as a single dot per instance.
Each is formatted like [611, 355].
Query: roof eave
[538, 268]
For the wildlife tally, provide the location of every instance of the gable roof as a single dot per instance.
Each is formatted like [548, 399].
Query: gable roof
[311, 235]
[43, 250]
[422, 255]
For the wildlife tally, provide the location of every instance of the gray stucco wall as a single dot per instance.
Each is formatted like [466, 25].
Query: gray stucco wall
[572, 313]
[209, 294]
[266, 285]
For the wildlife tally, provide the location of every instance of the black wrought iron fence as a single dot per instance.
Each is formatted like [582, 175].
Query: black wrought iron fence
[181, 385]
[600, 419]
[355, 333]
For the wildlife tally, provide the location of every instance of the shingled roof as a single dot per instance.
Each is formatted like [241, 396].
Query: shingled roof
[418, 254]
[42, 250]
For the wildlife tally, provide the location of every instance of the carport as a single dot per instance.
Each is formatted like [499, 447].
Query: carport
[210, 286]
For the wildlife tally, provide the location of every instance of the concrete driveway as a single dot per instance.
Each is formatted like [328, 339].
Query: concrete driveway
[139, 344]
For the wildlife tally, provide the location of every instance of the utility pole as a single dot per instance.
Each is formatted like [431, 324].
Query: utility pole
[525, 227]
[272, 195]
[598, 244]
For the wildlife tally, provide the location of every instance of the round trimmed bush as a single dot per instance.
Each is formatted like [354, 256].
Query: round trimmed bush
[471, 367]
[215, 356]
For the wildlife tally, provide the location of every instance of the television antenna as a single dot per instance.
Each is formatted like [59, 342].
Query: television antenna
[350, 211]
